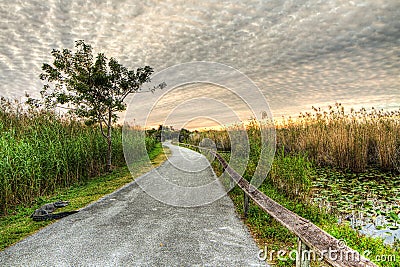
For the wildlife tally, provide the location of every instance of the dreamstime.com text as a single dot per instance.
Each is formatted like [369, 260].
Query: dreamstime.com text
[271, 255]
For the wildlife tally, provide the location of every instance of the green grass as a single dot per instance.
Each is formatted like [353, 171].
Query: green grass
[268, 232]
[271, 234]
[350, 142]
[18, 225]
[42, 152]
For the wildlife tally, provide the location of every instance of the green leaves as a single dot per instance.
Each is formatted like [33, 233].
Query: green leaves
[92, 86]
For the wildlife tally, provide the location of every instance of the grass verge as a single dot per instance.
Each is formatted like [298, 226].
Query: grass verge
[18, 225]
[270, 234]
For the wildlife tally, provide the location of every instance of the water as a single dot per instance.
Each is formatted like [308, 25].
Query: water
[370, 201]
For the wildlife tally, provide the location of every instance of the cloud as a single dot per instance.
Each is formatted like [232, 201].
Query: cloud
[299, 53]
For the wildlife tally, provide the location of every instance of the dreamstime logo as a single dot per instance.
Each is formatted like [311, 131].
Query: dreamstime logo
[199, 92]
[334, 254]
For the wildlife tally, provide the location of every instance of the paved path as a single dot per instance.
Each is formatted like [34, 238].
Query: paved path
[130, 228]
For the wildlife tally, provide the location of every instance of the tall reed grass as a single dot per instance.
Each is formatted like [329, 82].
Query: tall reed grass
[40, 152]
[350, 140]
[251, 156]
[289, 174]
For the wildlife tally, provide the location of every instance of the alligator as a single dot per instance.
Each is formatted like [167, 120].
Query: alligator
[45, 212]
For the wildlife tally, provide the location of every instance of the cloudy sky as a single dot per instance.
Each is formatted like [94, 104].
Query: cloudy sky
[298, 53]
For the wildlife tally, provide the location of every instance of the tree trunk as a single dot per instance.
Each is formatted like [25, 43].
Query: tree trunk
[108, 166]
[109, 143]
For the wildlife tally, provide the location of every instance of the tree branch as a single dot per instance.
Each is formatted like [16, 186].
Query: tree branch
[101, 129]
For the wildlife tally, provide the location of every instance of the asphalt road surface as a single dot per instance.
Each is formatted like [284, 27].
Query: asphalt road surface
[131, 228]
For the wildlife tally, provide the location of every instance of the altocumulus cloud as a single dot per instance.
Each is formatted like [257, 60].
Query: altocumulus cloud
[299, 53]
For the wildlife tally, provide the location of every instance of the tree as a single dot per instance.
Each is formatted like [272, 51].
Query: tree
[93, 88]
[184, 135]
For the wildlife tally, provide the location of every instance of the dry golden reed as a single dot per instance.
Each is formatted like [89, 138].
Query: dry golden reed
[350, 140]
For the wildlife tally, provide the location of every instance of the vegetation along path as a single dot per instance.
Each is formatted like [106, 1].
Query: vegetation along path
[130, 228]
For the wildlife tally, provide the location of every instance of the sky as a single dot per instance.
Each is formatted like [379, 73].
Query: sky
[299, 54]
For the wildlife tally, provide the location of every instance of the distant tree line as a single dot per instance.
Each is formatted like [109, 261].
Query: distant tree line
[164, 133]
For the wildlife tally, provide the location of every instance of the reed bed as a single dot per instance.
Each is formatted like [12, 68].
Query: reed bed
[289, 174]
[220, 138]
[351, 140]
[41, 151]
